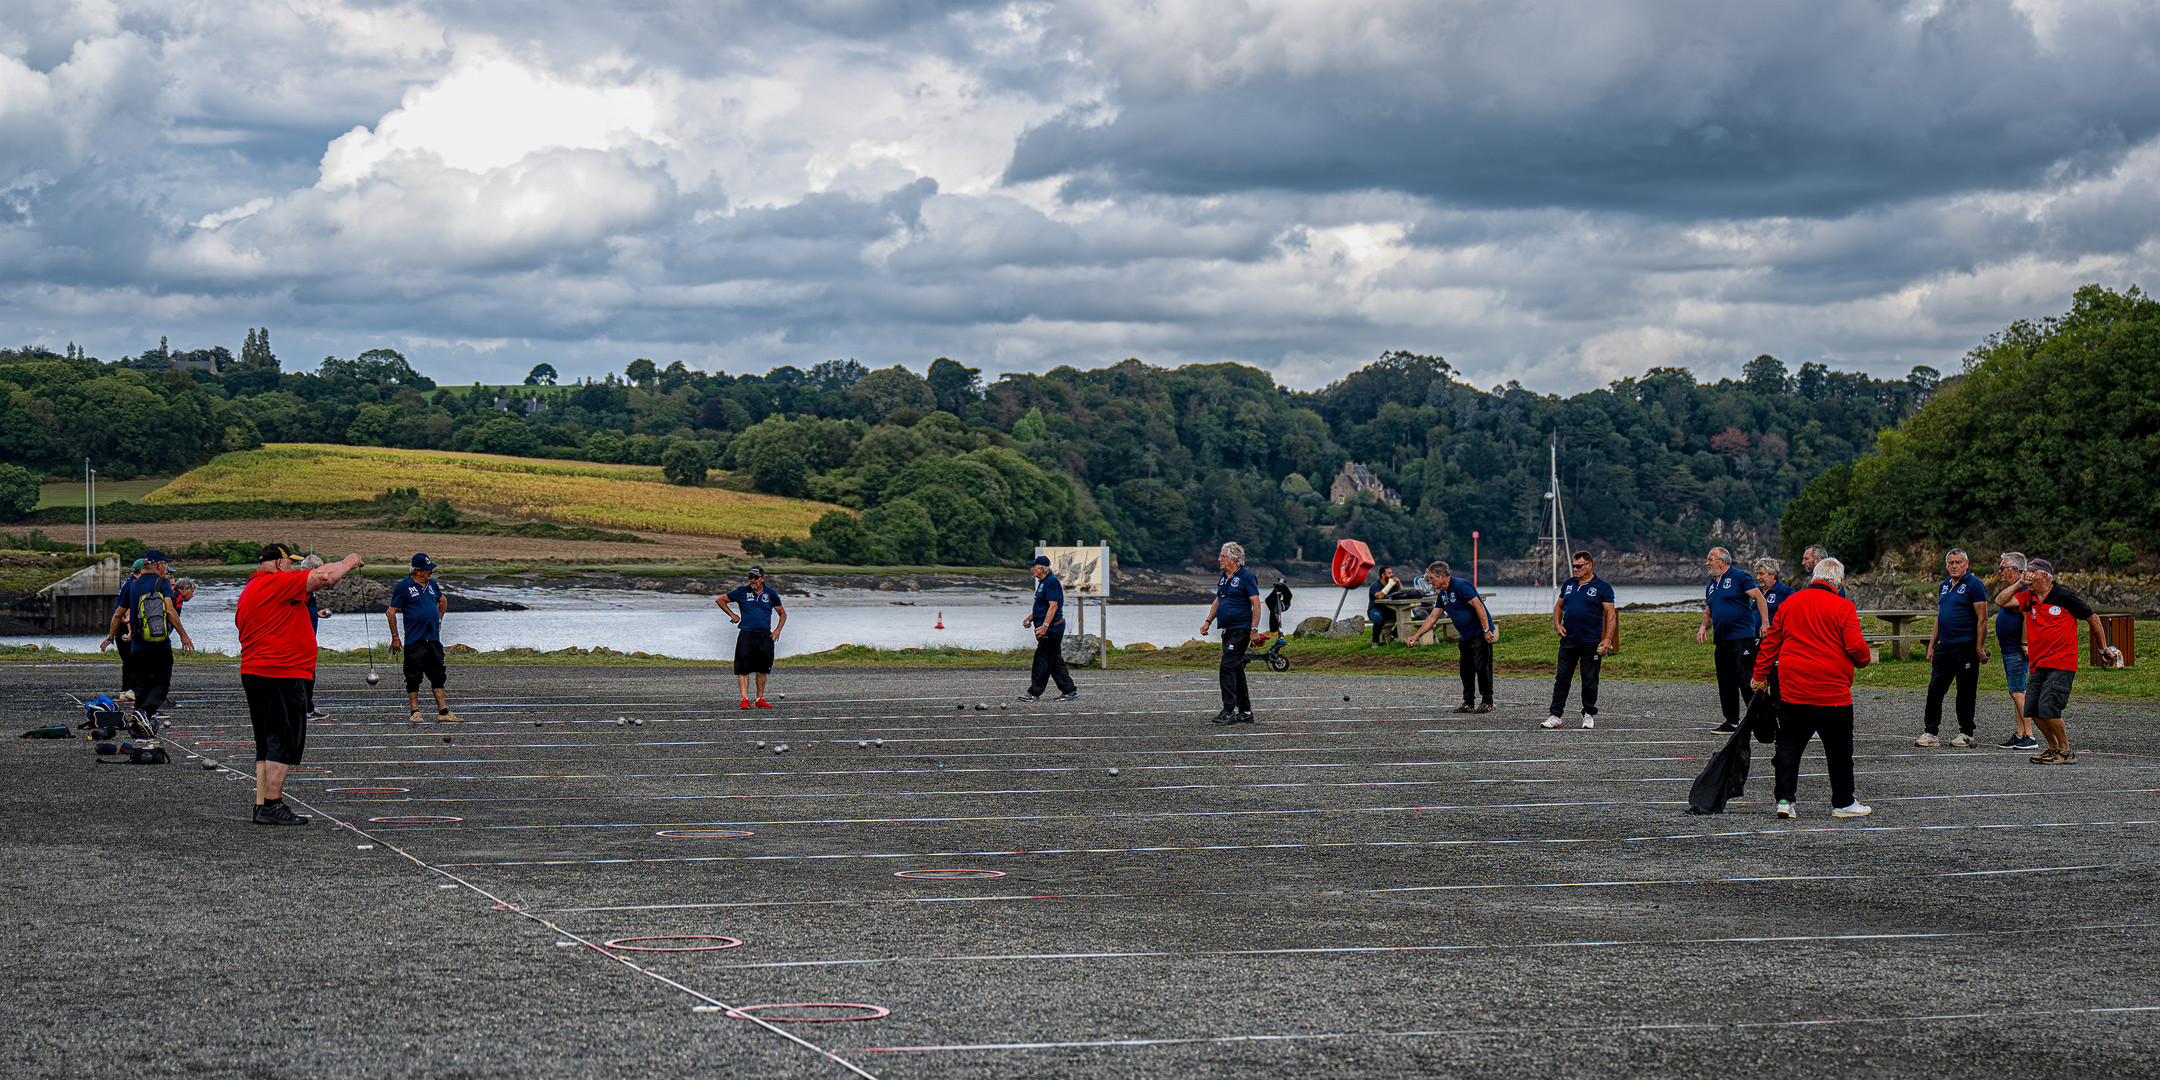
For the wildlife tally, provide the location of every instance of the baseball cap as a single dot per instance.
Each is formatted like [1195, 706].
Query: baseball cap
[141, 564]
[755, 571]
[420, 561]
[1040, 560]
[273, 552]
[154, 555]
[2041, 566]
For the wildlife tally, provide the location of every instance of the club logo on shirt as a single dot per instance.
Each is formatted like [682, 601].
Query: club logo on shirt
[2054, 609]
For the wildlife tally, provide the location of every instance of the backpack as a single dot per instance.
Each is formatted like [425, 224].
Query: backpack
[150, 622]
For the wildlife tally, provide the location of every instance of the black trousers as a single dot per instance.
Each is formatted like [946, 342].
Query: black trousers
[126, 649]
[153, 675]
[1385, 616]
[1735, 668]
[1050, 664]
[1960, 662]
[277, 707]
[1796, 723]
[1573, 653]
[1474, 662]
[1232, 673]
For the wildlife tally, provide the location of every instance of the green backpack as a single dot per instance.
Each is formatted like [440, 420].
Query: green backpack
[150, 622]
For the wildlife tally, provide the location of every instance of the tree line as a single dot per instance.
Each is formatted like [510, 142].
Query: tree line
[2047, 443]
[939, 467]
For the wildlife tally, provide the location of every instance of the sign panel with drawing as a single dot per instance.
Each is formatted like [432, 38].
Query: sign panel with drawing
[1082, 570]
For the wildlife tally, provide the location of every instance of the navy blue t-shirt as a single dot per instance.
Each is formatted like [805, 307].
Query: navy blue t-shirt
[757, 607]
[1048, 591]
[1732, 610]
[1454, 598]
[1776, 593]
[1582, 608]
[1234, 596]
[1954, 618]
[418, 604]
[2010, 629]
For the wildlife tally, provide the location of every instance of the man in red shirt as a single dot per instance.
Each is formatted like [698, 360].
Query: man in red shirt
[277, 668]
[2052, 614]
[1814, 644]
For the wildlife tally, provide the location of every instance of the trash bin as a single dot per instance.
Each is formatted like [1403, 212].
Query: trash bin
[2121, 632]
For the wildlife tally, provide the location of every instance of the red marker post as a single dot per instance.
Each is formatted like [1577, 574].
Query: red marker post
[1473, 558]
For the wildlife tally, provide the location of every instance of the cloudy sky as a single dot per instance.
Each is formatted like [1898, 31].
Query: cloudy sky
[1557, 191]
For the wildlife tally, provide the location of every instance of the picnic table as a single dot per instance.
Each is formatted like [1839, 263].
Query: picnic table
[1395, 631]
[1897, 637]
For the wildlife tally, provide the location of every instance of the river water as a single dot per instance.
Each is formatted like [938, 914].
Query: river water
[674, 624]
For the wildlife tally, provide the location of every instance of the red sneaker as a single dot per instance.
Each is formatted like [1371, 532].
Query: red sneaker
[763, 704]
[745, 704]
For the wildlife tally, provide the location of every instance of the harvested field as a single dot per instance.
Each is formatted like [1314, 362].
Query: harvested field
[381, 545]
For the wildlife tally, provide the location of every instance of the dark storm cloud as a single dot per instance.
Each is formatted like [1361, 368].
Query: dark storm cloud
[1677, 109]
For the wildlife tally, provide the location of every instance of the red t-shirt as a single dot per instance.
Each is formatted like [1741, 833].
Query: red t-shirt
[276, 638]
[2051, 627]
[1814, 644]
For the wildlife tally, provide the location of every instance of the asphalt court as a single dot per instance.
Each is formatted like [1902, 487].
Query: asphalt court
[1375, 886]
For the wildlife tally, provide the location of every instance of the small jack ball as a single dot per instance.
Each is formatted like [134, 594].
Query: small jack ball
[373, 678]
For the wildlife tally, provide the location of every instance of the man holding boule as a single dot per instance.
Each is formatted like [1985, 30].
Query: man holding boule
[1474, 634]
[277, 668]
[757, 632]
[2052, 614]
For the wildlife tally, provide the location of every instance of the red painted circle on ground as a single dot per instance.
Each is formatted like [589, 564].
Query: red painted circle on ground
[704, 834]
[417, 819]
[366, 790]
[950, 875]
[875, 1012]
[618, 943]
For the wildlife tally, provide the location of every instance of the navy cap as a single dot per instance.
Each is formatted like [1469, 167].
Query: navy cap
[755, 571]
[2041, 566]
[422, 562]
[1040, 560]
[272, 553]
[153, 555]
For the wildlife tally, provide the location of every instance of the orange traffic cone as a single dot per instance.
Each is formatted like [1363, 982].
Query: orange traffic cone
[940, 621]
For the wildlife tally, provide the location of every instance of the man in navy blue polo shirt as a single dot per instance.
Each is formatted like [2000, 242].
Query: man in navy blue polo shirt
[420, 599]
[756, 633]
[1048, 619]
[1735, 611]
[1474, 634]
[1233, 608]
[1956, 649]
[1589, 627]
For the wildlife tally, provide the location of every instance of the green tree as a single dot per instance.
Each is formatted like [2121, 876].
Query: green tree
[956, 387]
[685, 463]
[541, 375]
[18, 492]
[506, 435]
[641, 372]
[843, 537]
[903, 528]
[777, 466]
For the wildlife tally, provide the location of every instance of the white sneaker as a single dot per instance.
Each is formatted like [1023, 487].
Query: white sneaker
[1960, 741]
[1855, 810]
[1785, 809]
[127, 695]
[416, 718]
[1927, 740]
[1550, 722]
[1589, 721]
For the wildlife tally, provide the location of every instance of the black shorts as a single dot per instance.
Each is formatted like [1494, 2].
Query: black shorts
[2047, 690]
[423, 658]
[278, 708]
[753, 652]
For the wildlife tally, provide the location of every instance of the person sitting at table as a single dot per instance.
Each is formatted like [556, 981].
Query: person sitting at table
[1384, 585]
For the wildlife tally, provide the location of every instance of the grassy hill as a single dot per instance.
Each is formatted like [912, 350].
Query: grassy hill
[572, 492]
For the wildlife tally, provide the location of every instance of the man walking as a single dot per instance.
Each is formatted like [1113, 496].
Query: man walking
[757, 633]
[2052, 614]
[277, 668]
[1474, 634]
[116, 634]
[1048, 619]
[1815, 645]
[1735, 611]
[1233, 606]
[2010, 642]
[1589, 627]
[150, 620]
[419, 598]
[1956, 649]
